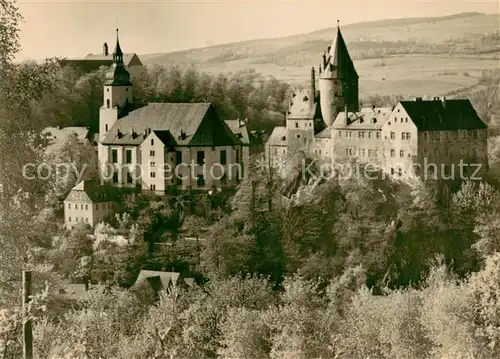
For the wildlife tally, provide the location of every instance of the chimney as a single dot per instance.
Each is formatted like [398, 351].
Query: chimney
[134, 134]
[319, 68]
[105, 49]
[418, 99]
[313, 85]
[346, 120]
[443, 100]
[324, 61]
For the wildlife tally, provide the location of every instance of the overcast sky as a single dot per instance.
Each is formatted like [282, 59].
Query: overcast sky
[75, 28]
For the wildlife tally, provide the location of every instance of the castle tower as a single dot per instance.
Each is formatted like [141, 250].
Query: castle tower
[300, 120]
[338, 81]
[117, 94]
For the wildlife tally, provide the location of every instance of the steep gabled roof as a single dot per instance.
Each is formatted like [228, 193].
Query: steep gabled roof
[157, 279]
[92, 191]
[369, 118]
[278, 137]
[190, 124]
[443, 115]
[340, 62]
[240, 130]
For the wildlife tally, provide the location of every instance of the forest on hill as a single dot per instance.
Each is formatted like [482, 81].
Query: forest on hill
[348, 267]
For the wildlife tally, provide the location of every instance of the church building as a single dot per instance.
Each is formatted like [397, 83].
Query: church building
[159, 146]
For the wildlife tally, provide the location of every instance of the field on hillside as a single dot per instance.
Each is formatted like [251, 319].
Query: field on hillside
[413, 57]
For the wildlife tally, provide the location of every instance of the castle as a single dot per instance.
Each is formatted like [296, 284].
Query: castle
[434, 135]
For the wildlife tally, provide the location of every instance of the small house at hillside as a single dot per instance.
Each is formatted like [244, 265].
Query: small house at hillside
[50, 135]
[162, 280]
[91, 202]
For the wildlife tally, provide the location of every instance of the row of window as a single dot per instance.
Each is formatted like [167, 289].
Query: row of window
[200, 182]
[361, 134]
[82, 219]
[435, 135]
[369, 134]
[464, 151]
[86, 206]
[200, 156]
[362, 152]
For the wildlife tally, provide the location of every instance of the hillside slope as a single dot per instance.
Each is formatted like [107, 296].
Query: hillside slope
[393, 56]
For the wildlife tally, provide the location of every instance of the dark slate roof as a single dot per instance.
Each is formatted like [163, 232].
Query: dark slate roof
[165, 137]
[198, 121]
[98, 59]
[340, 62]
[443, 115]
[326, 133]
[239, 128]
[117, 75]
[92, 191]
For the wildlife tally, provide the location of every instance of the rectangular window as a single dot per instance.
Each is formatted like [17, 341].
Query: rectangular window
[114, 156]
[401, 153]
[223, 157]
[393, 153]
[128, 156]
[69, 205]
[475, 134]
[403, 135]
[152, 142]
[152, 164]
[69, 219]
[201, 181]
[200, 157]
[369, 134]
[129, 178]
[378, 135]
[106, 127]
[178, 157]
[115, 177]
[81, 206]
[370, 153]
[347, 152]
[296, 125]
[237, 156]
[393, 135]
[361, 134]
[108, 104]
[86, 207]
[339, 134]
[152, 187]
[153, 174]
[152, 153]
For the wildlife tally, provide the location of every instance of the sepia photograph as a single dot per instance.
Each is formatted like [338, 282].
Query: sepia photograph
[249, 179]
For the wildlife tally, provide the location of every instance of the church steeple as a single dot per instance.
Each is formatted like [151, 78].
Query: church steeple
[118, 74]
[118, 53]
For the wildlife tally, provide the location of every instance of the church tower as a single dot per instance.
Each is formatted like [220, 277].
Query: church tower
[117, 94]
[338, 81]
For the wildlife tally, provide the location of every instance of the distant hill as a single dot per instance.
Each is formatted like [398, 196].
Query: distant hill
[414, 48]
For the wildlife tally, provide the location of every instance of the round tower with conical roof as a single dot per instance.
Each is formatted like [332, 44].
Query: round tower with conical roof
[338, 81]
